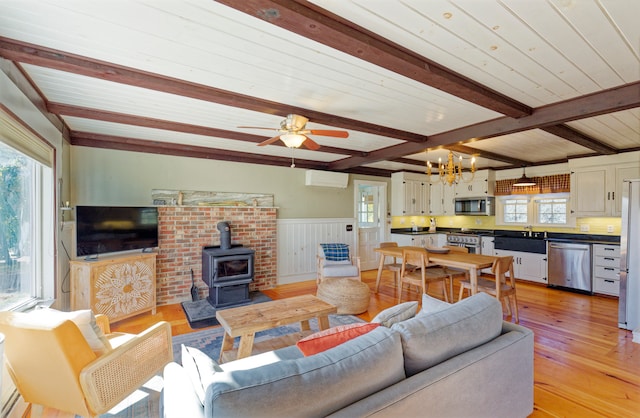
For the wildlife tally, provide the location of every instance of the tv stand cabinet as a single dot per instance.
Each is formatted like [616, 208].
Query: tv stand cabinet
[117, 286]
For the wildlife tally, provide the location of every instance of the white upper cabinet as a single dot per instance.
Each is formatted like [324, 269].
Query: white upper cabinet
[409, 194]
[441, 198]
[596, 190]
[482, 185]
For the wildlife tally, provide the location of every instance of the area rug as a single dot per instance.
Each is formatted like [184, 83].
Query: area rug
[143, 403]
[201, 313]
[209, 341]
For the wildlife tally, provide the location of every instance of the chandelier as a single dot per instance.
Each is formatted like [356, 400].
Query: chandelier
[451, 173]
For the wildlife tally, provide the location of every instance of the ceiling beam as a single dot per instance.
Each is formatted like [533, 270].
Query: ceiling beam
[20, 79]
[595, 104]
[93, 140]
[463, 149]
[147, 122]
[570, 134]
[313, 22]
[76, 64]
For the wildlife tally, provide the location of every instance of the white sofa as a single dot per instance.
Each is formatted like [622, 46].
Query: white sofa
[462, 361]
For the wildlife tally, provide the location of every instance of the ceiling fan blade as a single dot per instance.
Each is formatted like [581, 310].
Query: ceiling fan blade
[310, 144]
[256, 127]
[269, 141]
[324, 132]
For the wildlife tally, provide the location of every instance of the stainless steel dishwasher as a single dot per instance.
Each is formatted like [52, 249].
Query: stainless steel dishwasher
[569, 266]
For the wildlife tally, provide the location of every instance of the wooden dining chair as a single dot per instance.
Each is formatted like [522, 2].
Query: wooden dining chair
[422, 274]
[456, 272]
[394, 266]
[503, 287]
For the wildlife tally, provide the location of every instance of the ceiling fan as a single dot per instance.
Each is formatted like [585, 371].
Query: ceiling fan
[294, 135]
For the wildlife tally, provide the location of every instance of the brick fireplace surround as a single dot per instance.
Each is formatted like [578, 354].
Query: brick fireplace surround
[185, 230]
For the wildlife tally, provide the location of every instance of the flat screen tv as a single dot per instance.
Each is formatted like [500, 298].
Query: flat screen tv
[107, 229]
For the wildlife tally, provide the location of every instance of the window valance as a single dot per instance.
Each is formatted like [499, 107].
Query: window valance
[20, 137]
[557, 183]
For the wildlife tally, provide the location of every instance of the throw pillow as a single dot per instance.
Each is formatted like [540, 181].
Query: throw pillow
[396, 314]
[84, 320]
[200, 368]
[430, 339]
[432, 305]
[329, 338]
[335, 252]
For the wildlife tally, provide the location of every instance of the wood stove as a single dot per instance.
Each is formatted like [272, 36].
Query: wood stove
[228, 273]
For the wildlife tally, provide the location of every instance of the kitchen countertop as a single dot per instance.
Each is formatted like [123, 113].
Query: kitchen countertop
[551, 236]
[424, 231]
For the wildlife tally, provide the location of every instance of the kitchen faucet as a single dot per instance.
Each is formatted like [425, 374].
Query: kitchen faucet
[530, 228]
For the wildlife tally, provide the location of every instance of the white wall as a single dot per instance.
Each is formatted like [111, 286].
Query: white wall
[112, 177]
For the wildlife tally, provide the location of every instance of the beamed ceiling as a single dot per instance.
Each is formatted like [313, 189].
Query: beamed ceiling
[514, 83]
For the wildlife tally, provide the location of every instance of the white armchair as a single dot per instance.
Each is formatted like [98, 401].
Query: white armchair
[335, 260]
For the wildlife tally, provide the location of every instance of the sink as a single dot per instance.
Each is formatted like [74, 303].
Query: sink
[526, 244]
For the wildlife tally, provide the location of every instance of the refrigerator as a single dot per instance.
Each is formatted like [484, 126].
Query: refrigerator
[629, 301]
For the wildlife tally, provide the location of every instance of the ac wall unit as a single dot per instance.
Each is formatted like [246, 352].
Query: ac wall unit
[326, 179]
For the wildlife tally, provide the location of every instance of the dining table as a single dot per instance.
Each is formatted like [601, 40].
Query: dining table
[465, 261]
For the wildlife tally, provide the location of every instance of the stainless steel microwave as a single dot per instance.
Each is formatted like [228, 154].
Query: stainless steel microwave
[484, 206]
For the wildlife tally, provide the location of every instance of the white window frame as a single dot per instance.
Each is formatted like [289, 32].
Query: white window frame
[500, 203]
[532, 210]
[43, 217]
[571, 220]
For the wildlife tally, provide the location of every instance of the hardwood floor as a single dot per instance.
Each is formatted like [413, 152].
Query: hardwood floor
[584, 365]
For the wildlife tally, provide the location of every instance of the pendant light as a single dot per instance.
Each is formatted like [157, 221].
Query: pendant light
[524, 181]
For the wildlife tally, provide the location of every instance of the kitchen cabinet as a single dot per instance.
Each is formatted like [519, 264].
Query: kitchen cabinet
[527, 266]
[606, 269]
[436, 240]
[441, 198]
[597, 190]
[421, 240]
[486, 248]
[409, 194]
[403, 240]
[482, 185]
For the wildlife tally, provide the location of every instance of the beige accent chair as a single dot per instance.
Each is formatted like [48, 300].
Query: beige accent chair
[54, 365]
[502, 288]
[421, 274]
[347, 269]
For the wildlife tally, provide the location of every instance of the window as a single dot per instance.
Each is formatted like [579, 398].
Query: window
[366, 207]
[515, 211]
[27, 261]
[552, 211]
[543, 210]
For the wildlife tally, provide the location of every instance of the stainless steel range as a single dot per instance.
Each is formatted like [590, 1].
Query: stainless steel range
[467, 238]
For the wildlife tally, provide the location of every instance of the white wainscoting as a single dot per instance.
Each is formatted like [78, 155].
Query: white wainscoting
[298, 241]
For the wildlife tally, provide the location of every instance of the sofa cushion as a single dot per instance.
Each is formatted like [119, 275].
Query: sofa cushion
[431, 339]
[200, 368]
[397, 313]
[335, 252]
[329, 338]
[311, 386]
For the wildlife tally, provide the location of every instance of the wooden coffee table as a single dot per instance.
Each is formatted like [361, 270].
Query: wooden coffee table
[245, 321]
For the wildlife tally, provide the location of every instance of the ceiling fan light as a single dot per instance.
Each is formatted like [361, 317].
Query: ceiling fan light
[293, 140]
[524, 181]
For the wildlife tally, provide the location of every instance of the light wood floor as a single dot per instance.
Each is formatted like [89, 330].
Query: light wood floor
[584, 365]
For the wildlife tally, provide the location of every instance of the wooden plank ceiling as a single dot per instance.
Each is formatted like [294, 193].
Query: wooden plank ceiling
[513, 83]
